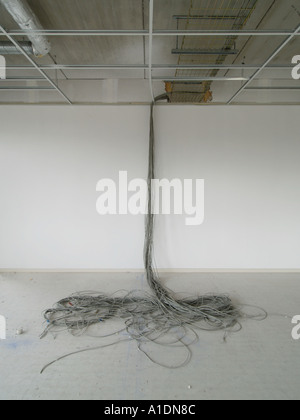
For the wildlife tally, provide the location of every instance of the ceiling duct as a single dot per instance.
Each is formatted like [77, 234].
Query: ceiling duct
[28, 21]
[7, 48]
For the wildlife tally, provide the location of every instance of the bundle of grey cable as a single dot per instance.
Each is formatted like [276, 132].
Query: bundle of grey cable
[149, 317]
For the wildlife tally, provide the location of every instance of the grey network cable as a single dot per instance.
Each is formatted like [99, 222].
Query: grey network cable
[157, 317]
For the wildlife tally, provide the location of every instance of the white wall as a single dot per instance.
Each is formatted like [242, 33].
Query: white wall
[52, 157]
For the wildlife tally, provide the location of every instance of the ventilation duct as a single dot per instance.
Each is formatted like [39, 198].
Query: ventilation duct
[7, 48]
[28, 21]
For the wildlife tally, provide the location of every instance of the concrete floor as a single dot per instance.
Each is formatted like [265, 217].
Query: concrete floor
[260, 362]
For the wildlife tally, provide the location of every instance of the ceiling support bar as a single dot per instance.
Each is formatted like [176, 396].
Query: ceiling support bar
[201, 79]
[22, 51]
[154, 33]
[151, 11]
[145, 67]
[271, 58]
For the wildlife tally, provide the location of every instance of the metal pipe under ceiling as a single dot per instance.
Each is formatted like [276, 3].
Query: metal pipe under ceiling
[28, 21]
[7, 48]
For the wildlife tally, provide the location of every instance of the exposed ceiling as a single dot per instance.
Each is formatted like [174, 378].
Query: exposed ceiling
[111, 65]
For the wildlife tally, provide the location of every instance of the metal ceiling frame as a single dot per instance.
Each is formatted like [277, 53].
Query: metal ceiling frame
[47, 78]
[271, 58]
[273, 88]
[180, 51]
[150, 34]
[166, 79]
[21, 88]
[72, 67]
[151, 17]
[201, 79]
